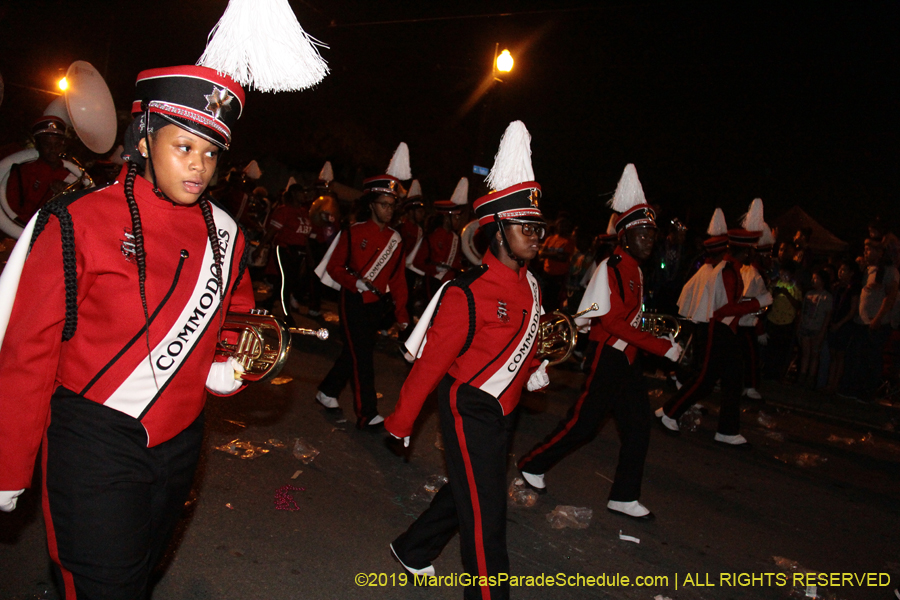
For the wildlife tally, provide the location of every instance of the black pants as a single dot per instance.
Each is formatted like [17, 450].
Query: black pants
[290, 262]
[356, 364]
[111, 504]
[611, 385]
[721, 361]
[749, 356]
[474, 500]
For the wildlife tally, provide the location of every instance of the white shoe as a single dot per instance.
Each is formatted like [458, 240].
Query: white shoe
[536, 482]
[668, 422]
[327, 401]
[752, 394]
[734, 440]
[427, 571]
[376, 420]
[633, 509]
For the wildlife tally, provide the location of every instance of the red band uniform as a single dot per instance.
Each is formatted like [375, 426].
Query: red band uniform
[721, 351]
[360, 248]
[120, 430]
[475, 343]
[614, 384]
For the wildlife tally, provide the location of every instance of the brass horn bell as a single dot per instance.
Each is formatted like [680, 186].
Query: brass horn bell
[263, 343]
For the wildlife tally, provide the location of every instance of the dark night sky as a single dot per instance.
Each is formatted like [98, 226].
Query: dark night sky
[715, 103]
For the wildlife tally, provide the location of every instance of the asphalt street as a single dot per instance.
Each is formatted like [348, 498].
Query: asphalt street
[811, 495]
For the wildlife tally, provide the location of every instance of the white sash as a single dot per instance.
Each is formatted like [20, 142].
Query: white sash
[703, 294]
[12, 272]
[322, 270]
[139, 389]
[384, 258]
[503, 377]
[380, 262]
[412, 255]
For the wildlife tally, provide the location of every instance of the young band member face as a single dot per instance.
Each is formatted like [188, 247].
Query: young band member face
[50, 146]
[524, 245]
[182, 163]
[639, 242]
[383, 209]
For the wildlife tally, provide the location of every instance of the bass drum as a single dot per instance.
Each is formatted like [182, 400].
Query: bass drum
[9, 223]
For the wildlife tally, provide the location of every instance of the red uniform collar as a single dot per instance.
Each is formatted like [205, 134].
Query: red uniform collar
[493, 263]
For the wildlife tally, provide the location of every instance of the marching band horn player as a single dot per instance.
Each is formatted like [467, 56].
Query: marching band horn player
[32, 184]
[106, 351]
[365, 263]
[615, 380]
[476, 343]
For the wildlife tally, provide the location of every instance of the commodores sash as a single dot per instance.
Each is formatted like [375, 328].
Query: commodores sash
[504, 375]
[141, 388]
[370, 272]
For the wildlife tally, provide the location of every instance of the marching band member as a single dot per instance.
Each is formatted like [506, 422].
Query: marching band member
[475, 344]
[365, 262]
[439, 256]
[325, 214]
[749, 325]
[713, 298]
[410, 228]
[615, 381]
[106, 352]
[30, 185]
[104, 371]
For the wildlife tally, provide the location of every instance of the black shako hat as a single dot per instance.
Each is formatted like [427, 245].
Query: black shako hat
[195, 98]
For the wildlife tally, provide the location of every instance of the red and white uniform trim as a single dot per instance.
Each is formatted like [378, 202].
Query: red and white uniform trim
[106, 361]
[500, 357]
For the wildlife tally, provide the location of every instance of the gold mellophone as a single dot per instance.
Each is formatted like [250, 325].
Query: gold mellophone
[558, 336]
[263, 345]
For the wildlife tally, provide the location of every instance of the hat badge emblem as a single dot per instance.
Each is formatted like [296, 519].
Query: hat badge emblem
[218, 102]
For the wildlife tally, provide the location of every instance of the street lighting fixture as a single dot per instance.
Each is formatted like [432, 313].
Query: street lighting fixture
[505, 62]
[63, 84]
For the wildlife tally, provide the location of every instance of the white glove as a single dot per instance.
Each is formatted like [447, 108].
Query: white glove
[361, 286]
[763, 339]
[405, 440]
[8, 500]
[539, 379]
[674, 352]
[764, 300]
[224, 377]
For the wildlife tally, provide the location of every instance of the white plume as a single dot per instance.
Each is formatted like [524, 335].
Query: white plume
[629, 192]
[260, 44]
[766, 239]
[461, 193]
[291, 181]
[611, 228]
[399, 166]
[512, 164]
[415, 190]
[754, 220]
[326, 174]
[717, 225]
[252, 170]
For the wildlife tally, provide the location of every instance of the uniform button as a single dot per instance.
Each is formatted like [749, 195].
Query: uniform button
[184, 253]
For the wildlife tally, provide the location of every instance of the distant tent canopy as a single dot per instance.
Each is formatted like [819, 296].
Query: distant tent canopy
[822, 241]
